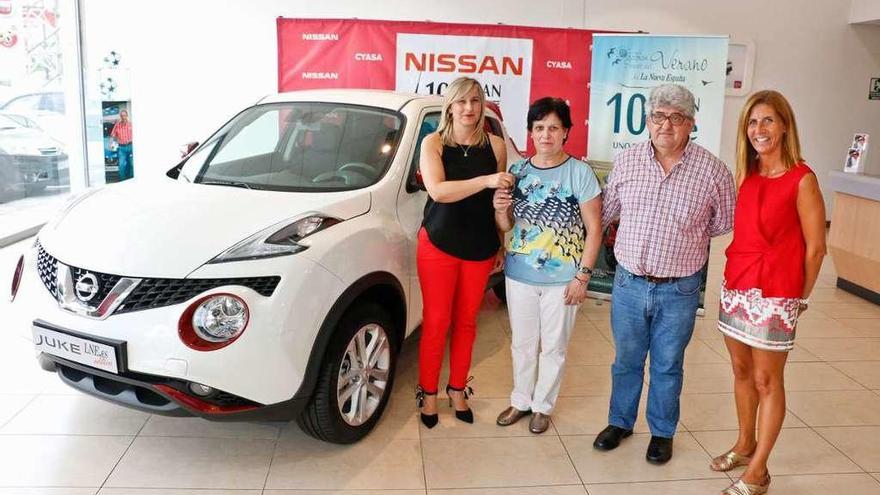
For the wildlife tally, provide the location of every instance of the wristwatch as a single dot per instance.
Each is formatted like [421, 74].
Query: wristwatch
[585, 270]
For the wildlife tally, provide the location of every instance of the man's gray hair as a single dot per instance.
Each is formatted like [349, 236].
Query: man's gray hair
[675, 96]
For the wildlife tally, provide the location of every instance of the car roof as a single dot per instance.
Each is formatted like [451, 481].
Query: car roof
[393, 100]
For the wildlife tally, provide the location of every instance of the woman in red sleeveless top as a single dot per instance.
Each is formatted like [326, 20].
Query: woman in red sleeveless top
[772, 265]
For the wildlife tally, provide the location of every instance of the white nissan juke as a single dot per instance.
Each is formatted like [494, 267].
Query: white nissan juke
[271, 275]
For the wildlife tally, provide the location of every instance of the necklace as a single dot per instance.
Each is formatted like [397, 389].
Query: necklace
[464, 148]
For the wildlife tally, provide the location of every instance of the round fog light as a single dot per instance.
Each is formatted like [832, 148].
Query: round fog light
[213, 322]
[200, 390]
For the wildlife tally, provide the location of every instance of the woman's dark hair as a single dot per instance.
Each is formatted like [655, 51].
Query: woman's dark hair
[543, 107]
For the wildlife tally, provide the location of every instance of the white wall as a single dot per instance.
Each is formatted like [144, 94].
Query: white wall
[195, 63]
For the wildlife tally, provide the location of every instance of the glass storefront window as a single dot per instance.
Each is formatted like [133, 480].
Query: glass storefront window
[40, 117]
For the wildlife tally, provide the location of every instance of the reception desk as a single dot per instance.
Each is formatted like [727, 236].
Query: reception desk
[854, 240]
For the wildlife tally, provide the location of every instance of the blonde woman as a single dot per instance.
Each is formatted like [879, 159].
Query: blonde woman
[772, 265]
[458, 244]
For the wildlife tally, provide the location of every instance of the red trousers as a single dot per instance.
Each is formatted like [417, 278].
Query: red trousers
[452, 290]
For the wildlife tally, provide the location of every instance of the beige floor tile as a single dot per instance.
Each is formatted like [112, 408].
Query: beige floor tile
[717, 344]
[589, 352]
[699, 352]
[797, 451]
[60, 461]
[375, 462]
[532, 490]
[859, 443]
[866, 327]
[485, 413]
[833, 295]
[165, 426]
[627, 462]
[589, 415]
[801, 355]
[586, 380]
[849, 484]
[490, 382]
[341, 492]
[585, 329]
[835, 408]
[75, 415]
[862, 309]
[518, 461]
[48, 491]
[11, 405]
[172, 462]
[706, 328]
[692, 487]
[876, 476]
[173, 491]
[865, 372]
[851, 349]
[817, 376]
[708, 378]
[709, 412]
[825, 328]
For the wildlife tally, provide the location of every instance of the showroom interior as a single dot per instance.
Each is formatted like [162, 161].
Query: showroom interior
[73, 73]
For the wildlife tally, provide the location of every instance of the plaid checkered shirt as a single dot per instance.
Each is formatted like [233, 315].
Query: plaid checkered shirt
[666, 221]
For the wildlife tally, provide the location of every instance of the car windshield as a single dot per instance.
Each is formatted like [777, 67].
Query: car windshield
[298, 146]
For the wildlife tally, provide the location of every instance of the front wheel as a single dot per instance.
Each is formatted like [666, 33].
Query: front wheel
[355, 380]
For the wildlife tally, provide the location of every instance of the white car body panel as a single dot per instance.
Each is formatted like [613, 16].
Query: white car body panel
[172, 228]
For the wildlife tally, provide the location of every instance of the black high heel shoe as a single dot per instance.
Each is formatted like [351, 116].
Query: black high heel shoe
[429, 420]
[467, 415]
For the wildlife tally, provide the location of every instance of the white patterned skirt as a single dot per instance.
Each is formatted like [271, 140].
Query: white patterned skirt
[764, 322]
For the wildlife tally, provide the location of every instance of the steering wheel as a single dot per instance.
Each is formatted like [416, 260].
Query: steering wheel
[353, 172]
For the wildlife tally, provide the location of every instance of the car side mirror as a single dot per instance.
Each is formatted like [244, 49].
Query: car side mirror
[188, 148]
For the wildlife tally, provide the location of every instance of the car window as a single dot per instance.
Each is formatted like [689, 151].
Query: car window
[429, 124]
[23, 104]
[54, 102]
[299, 147]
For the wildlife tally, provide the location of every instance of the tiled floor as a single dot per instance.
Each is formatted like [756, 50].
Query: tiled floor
[56, 441]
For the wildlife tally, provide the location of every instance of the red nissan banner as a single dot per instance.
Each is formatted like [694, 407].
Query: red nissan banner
[515, 65]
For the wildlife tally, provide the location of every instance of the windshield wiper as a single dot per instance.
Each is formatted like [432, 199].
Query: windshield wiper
[229, 183]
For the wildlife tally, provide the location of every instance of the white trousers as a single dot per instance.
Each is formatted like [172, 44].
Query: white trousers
[541, 325]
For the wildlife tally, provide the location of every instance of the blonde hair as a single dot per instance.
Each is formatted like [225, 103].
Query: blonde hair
[746, 156]
[457, 90]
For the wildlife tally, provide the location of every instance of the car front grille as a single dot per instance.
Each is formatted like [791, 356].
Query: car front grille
[157, 292]
[150, 293]
[47, 266]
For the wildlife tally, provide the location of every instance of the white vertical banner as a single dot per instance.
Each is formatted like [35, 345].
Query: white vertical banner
[427, 63]
[626, 67]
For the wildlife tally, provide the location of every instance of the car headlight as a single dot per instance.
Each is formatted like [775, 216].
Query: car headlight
[278, 240]
[213, 322]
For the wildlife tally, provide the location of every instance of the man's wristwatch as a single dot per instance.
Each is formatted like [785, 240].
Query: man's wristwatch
[585, 270]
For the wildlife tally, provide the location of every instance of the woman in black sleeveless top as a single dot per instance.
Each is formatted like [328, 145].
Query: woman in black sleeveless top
[458, 244]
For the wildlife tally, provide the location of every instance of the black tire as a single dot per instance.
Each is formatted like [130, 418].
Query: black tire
[323, 418]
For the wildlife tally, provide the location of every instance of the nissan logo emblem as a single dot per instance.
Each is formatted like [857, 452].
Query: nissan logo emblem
[86, 287]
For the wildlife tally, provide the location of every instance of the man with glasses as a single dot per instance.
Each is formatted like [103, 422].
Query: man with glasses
[671, 196]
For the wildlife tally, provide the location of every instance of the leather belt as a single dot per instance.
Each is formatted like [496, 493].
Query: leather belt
[658, 280]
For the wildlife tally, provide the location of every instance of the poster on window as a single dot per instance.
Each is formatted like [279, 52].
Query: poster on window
[514, 64]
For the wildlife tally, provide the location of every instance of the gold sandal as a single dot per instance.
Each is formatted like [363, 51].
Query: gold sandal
[729, 460]
[743, 488]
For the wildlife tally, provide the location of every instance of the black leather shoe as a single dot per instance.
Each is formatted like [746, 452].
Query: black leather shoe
[659, 450]
[610, 437]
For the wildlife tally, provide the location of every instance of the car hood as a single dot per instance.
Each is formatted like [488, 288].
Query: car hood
[24, 141]
[168, 229]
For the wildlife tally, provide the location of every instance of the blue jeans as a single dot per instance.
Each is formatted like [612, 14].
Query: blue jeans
[126, 168]
[656, 318]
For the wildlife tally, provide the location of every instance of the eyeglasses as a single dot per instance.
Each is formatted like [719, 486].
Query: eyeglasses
[660, 118]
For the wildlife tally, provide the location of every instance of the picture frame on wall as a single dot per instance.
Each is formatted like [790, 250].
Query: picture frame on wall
[740, 66]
